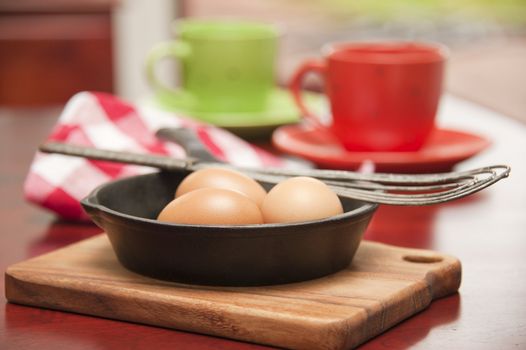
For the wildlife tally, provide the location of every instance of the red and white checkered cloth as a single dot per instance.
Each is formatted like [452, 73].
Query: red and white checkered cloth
[100, 120]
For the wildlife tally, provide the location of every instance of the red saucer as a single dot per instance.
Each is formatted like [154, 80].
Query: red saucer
[442, 151]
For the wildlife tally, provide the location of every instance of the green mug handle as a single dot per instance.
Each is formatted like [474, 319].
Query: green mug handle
[176, 49]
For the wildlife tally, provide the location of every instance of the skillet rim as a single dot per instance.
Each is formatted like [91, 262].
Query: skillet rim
[91, 201]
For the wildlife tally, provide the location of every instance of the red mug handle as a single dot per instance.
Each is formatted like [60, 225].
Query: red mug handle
[315, 66]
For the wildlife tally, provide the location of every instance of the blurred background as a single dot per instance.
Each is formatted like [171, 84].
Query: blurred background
[51, 49]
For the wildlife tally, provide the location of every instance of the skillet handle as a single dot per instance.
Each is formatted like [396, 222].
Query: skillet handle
[190, 141]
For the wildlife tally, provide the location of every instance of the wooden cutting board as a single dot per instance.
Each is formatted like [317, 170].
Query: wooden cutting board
[383, 286]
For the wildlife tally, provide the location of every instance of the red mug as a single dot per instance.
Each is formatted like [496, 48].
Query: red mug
[383, 96]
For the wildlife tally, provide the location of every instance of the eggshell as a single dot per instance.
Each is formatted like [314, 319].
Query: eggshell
[300, 199]
[222, 178]
[212, 206]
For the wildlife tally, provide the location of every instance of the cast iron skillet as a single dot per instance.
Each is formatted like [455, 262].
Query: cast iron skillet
[219, 255]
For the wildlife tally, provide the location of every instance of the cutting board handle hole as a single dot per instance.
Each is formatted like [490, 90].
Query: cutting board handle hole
[423, 259]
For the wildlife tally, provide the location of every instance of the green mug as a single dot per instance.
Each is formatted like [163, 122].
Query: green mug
[226, 66]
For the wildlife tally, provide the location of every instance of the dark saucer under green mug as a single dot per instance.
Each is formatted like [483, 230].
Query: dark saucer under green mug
[279, 110]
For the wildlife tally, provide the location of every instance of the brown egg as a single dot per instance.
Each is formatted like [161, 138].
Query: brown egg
[222, 178]
[212, 206]
[300, 199]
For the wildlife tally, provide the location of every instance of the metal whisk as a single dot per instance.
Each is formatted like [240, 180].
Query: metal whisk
[394, 189]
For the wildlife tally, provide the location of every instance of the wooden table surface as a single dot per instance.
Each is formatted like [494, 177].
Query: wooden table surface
[487, 232]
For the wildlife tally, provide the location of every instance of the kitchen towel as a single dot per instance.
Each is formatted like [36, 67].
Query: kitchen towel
[58, 182]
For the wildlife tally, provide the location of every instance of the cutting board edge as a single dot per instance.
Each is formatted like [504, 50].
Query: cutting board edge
[19, 291]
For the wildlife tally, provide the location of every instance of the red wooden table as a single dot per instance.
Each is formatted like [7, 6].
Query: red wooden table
[487, 232]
